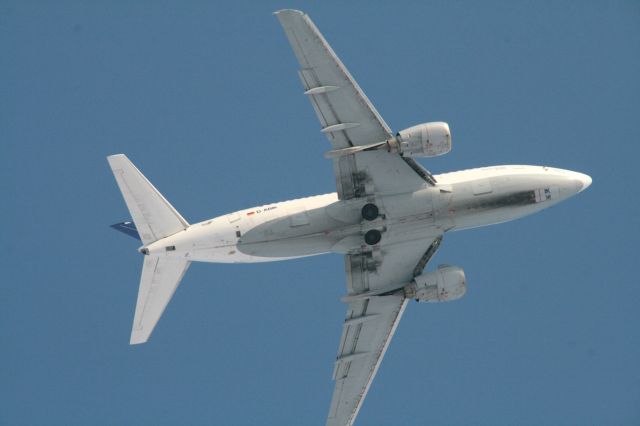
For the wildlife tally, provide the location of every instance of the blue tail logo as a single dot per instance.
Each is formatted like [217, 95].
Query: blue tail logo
[128, 228]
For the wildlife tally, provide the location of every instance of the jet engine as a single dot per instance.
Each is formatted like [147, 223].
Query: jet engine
[425, 140]
[442, 285]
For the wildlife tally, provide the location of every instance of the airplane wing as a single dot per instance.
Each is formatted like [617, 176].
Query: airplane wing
[371, 322]
[369, 327]
[347, 117]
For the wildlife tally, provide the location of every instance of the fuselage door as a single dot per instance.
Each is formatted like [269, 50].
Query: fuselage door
[234, 217]
[481, 186]
[299, 219]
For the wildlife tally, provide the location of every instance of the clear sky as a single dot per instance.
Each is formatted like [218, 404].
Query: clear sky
[205, 99]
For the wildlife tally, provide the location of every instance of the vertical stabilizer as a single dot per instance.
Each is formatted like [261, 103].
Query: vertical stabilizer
[152, 214]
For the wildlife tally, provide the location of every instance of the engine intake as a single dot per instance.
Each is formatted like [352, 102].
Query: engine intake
[442, 285]
[425, 140]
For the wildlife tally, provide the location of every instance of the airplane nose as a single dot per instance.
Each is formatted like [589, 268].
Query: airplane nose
[582, 181]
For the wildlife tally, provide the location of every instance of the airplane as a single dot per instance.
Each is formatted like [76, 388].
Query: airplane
[387, 217]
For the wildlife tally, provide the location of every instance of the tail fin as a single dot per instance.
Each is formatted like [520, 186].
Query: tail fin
[154, 217]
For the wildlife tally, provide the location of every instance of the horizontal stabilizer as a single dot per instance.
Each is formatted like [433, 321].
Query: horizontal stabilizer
[160, 279]
[152, 214]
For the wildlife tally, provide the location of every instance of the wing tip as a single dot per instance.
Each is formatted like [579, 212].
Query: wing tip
[116, 158]
[283, 13]
[138, 338]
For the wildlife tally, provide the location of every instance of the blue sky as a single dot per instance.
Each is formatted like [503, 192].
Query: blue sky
[204, 98]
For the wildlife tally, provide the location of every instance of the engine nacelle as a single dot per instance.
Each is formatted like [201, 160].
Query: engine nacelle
[425, 140]
[442, 285]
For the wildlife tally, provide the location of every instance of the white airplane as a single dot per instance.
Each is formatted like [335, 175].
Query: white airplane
[387, 218]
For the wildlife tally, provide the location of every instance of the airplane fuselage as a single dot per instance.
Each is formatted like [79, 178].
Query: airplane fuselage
[323, 223]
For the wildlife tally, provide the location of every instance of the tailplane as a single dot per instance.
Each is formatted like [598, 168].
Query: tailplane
[160, 279]
[152, 214]
[153, 219]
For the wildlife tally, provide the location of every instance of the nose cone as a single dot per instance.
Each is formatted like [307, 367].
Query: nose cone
[569, 182]
[582, 181]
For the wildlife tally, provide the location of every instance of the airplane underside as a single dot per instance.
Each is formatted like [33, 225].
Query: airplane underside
[387, 218]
